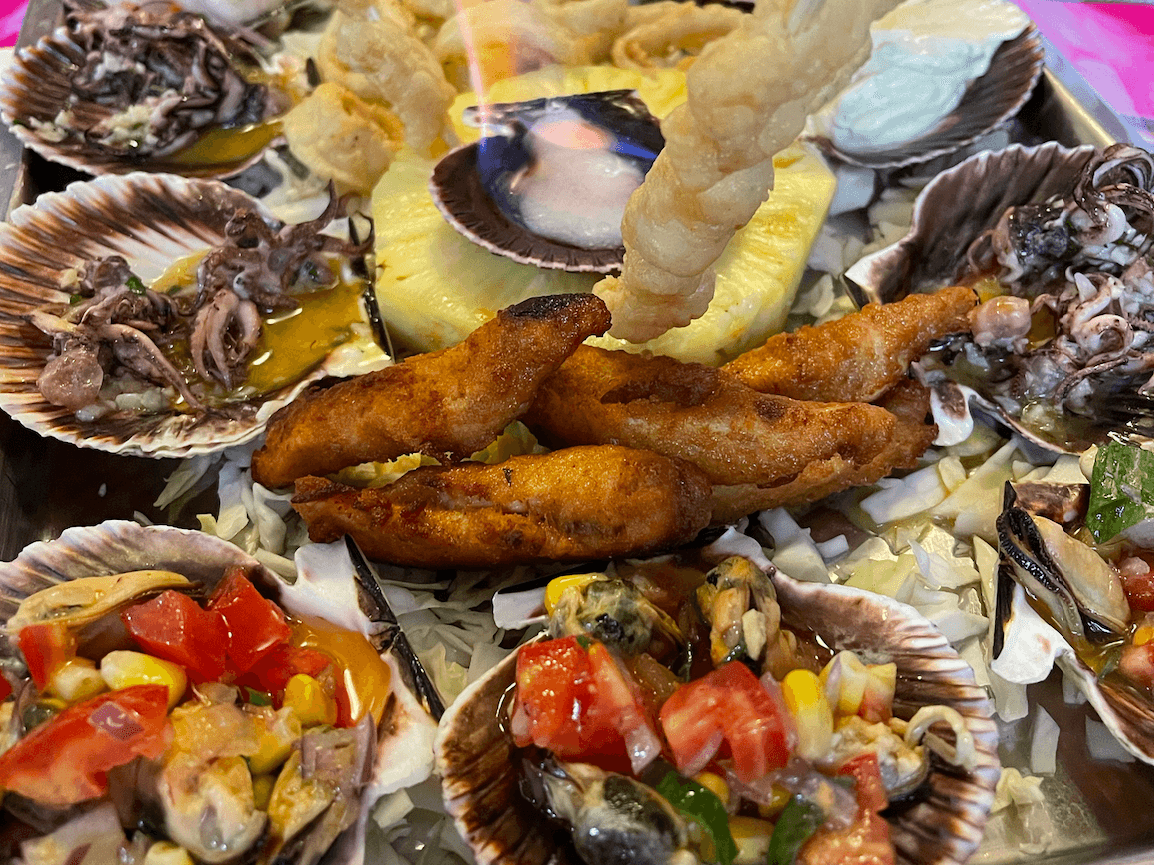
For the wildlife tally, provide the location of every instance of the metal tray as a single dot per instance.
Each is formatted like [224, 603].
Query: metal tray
[1099, 808]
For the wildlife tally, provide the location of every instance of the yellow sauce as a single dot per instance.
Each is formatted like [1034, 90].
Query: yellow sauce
[365, 676]
[224, 146]
[179, 274]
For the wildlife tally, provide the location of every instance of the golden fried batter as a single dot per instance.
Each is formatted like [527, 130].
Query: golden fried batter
[451, 402]
[693, 412]
[908, 402]
[568, 505]
[858, 357]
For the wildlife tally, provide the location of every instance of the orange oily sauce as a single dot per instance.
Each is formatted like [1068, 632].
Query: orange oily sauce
[221, 147]
[365, 676]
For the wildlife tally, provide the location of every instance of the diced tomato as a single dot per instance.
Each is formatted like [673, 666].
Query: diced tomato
[866, 841]
[272, 672]
[46, 648]
[5, 687]
[1138, 583]
[1136, 663]
[726, 705]
[554, 692]
[618, 705]
[66, 759]
[255, 624]
[174, 627]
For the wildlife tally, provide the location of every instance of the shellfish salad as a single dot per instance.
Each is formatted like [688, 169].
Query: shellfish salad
[535, 489]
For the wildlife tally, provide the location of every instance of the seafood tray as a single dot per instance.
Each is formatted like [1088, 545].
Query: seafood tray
[46, 485]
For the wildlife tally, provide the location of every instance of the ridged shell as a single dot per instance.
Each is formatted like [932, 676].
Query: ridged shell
[989, 102]
[37, 87]
[956, 207]
[151, 220]
[406, 730]
[475, 756]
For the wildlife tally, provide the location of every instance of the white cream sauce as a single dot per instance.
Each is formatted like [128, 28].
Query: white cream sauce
[925, 54]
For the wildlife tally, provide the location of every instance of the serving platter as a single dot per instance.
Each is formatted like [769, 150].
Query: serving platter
[1098, 807]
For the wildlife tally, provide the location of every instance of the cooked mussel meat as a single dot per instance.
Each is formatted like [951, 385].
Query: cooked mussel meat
[616, 613]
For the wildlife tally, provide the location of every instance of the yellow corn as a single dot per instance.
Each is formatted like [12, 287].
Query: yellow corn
[751, 836]
[309, 702]
[276, 733]
[75, 681]
[558, 585]
[715, 784]
[844, 680]
[124, 669]
[262, 791]
[167, 853]
[777, 802]
[1144, 633]
[806, 701]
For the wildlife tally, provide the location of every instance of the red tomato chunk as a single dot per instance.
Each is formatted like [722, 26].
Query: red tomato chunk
[255, 624]
[867, 840]
[175, 628]
[46, 648]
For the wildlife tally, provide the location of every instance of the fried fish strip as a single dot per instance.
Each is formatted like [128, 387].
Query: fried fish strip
[451, 402]
[908, 402]
[693, 412]
[856, 358]
[568, 505]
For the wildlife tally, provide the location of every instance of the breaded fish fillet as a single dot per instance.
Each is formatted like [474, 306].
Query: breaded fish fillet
[856, 358]
[693, 412]
[907, 401]
[568, 505]
[449, 403]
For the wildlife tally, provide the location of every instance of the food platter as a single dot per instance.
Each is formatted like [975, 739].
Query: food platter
[47, 486]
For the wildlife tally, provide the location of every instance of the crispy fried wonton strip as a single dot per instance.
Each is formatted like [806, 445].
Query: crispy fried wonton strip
[908, 402]
[450, 402]
[693, 412]
[858, 357]
[568, 505]
[676, 37]
[748, 96]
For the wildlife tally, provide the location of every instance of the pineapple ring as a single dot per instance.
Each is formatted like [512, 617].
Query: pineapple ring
[435, 287]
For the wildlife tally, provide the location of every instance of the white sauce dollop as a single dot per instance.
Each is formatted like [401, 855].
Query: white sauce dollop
[925, 54]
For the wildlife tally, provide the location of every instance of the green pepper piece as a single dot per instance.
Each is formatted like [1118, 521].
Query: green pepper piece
[701, 805]
[135, 285]
[798, 820]
[257, 698]
[1121, 490]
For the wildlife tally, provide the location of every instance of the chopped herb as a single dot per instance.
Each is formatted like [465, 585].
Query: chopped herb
[1121, 490]
[257, 698]
[584, 642]
[701, 805]
[135, 285]
[74, 299]
[795, 825]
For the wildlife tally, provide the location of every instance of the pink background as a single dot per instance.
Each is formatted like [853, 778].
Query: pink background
[11, 15]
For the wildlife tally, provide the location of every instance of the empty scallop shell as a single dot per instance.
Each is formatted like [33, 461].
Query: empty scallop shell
[38, 86]
[475, 754]
[405, 734]
[959, 205]
[151, 220]
[989, 102]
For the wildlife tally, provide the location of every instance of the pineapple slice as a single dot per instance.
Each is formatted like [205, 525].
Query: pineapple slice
[435, 287]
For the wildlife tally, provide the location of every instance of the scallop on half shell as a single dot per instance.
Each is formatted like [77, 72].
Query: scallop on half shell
[329, 586]
[477, 757]
[152, 221]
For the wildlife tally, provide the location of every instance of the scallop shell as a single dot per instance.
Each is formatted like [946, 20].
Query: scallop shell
[37, 87]
[956, 207]
[989, 102]
[479, 775]
[405, 735]
[151, 220]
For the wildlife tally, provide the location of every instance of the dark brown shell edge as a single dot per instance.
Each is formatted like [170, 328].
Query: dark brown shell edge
[150, 219]
[988, 103]
[38, 85]
[1128, 716]
[476, 756]
[457, 192]
[958, 206]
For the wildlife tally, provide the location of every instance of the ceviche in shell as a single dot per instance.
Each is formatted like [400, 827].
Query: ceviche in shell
[159, 315]
[166, 692]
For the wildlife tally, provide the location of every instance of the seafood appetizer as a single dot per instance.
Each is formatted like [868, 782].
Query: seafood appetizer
[159, 315]
[713, 711]
[173, 695]
[126, 88]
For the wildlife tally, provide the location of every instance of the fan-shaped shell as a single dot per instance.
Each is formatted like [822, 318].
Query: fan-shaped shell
[988, 103]
[151, 220]
[475, 755]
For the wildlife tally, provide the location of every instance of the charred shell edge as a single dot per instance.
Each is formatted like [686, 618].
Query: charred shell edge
[37, 86]
[475, 756]
[956, 207]
[150, 219]
[989, 102]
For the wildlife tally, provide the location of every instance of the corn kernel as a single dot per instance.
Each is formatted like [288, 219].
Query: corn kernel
[167, 853]
[715, 784]
[262, 791]
[806, 701]
[276, 733]
[309, 702]
[777, 801]
[1143, 634]
[76, 680]
[124, 669]
[845, 678]
[558, 585]
[751, 836]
